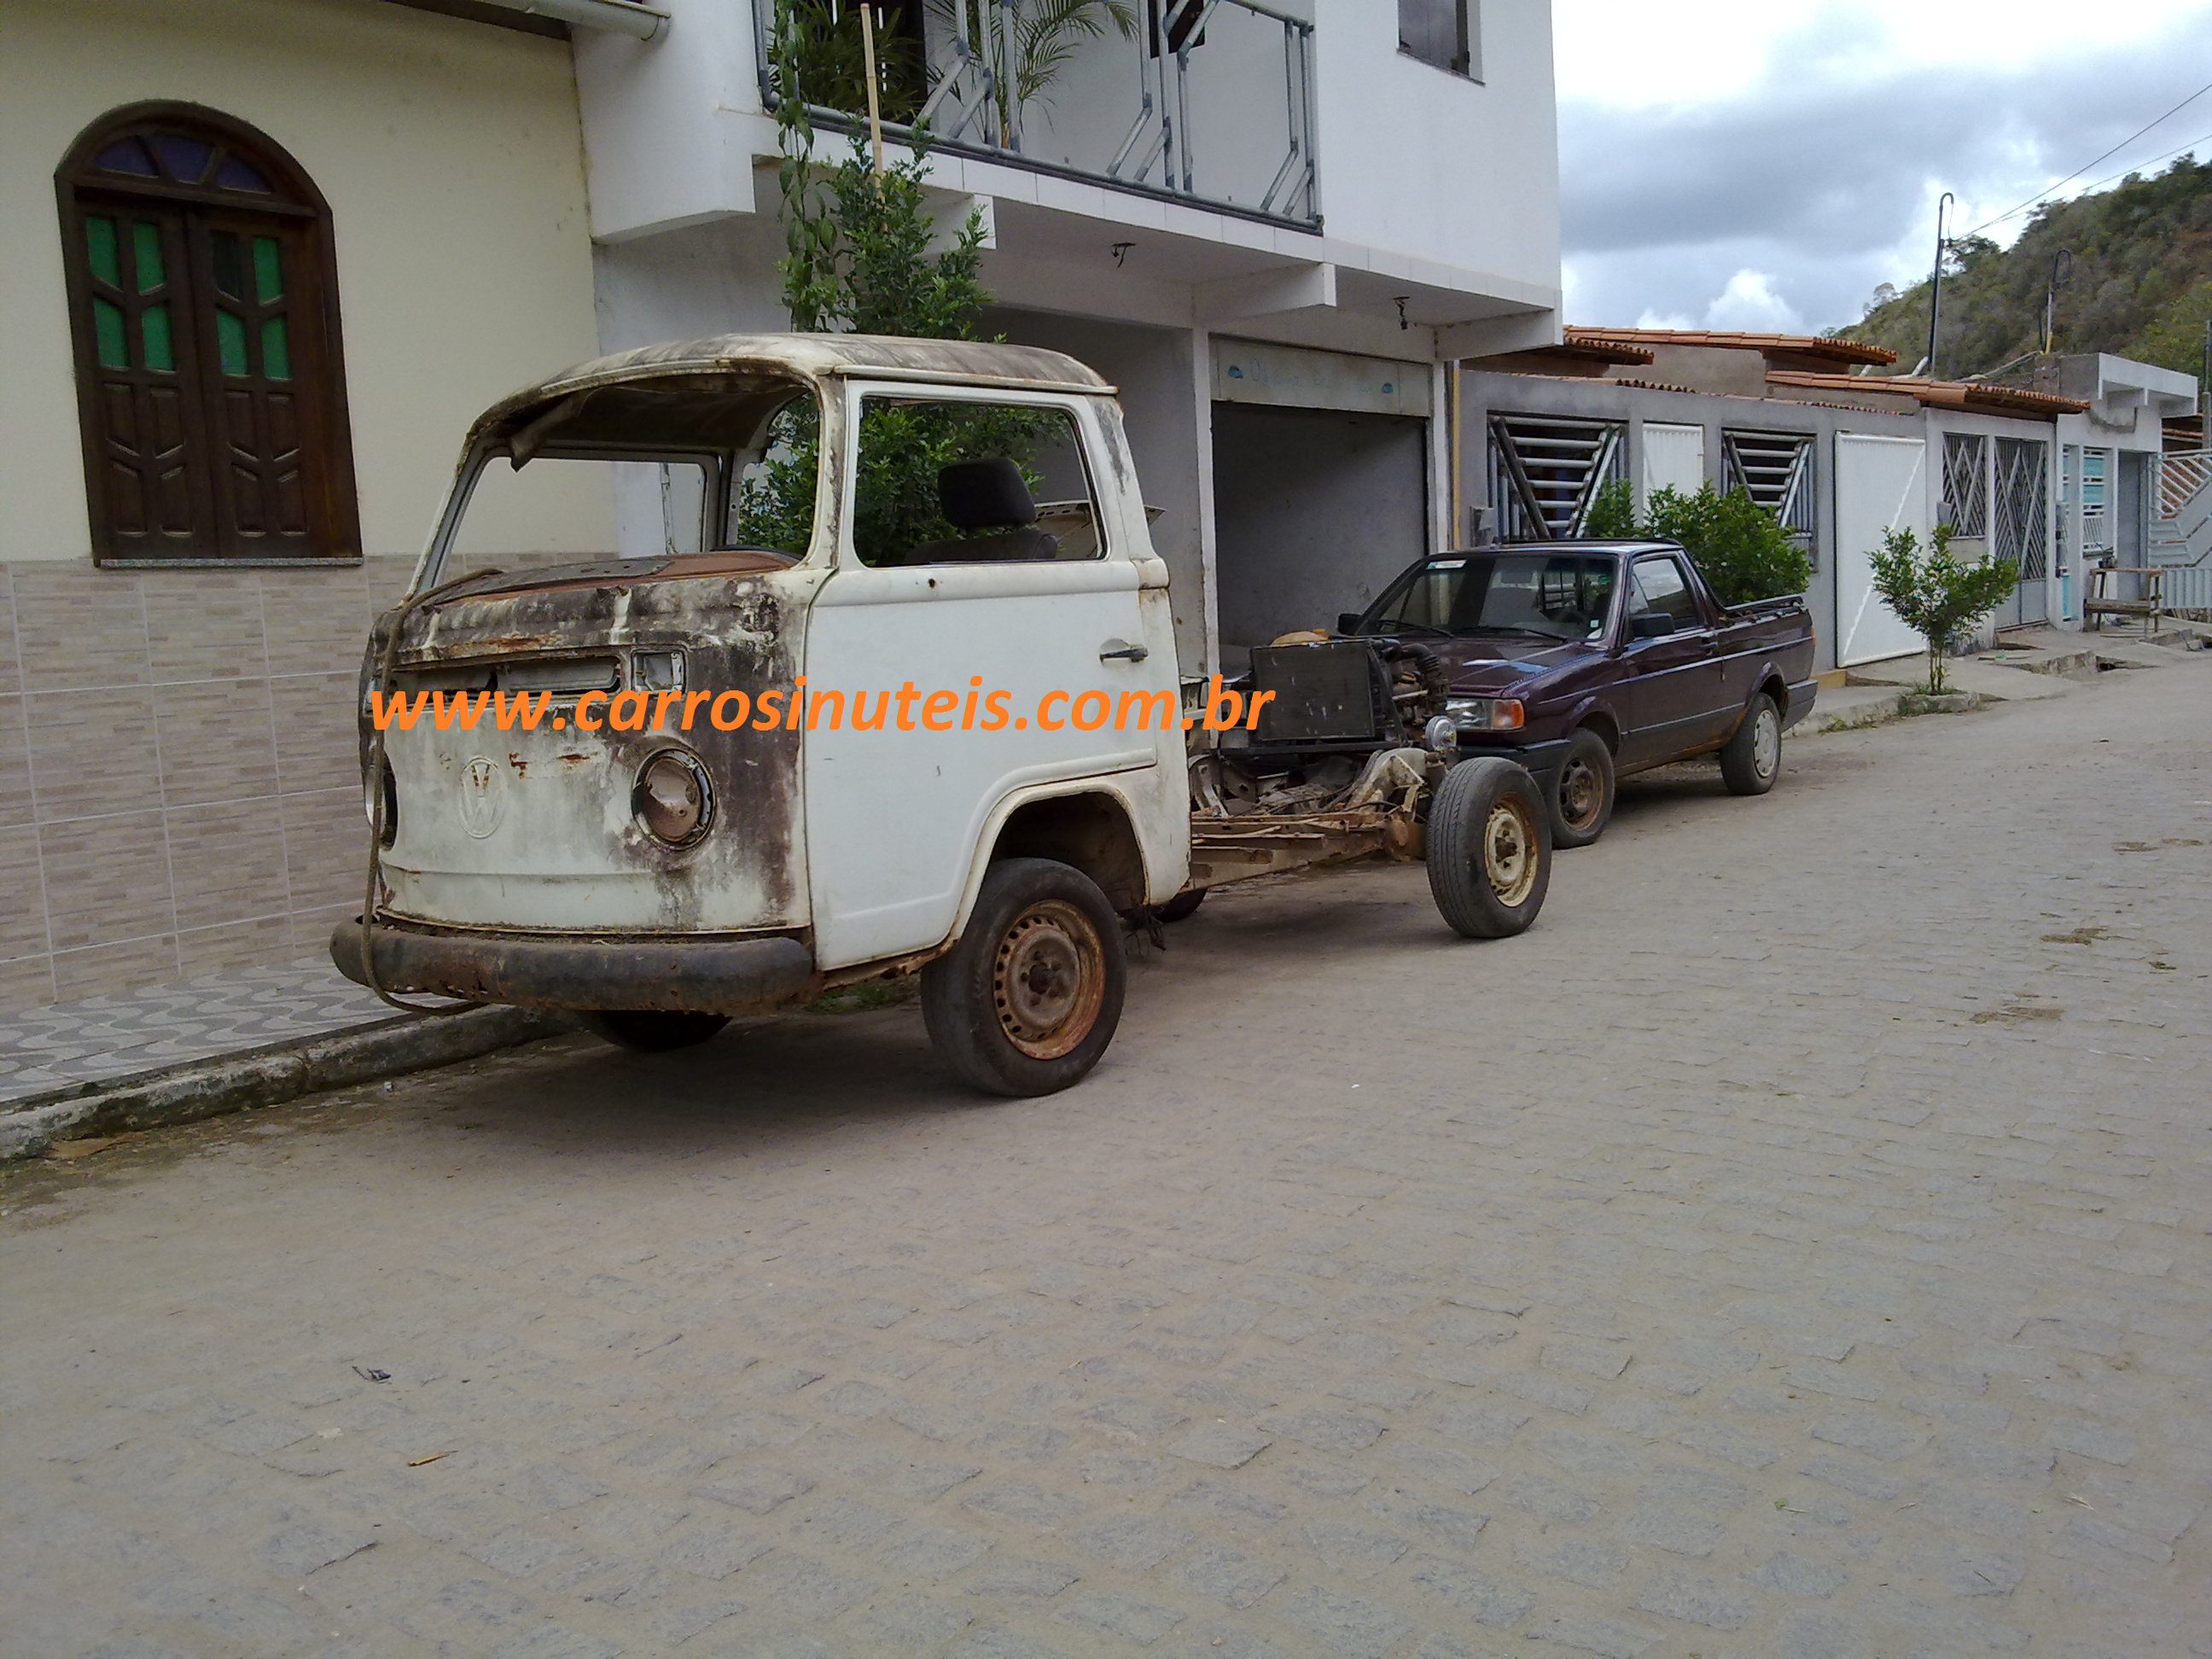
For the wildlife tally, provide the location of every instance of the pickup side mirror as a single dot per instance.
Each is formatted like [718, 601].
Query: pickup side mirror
[1650, 625]
[1347, 622]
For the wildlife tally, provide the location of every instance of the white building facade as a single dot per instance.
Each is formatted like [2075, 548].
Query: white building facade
[1270, 225]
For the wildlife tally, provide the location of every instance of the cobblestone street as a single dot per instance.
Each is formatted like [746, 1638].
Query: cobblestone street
[1795, 1248]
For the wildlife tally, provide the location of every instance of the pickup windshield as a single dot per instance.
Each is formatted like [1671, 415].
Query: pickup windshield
[1552, 596]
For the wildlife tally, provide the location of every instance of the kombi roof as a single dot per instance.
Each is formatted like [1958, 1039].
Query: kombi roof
[815, 357]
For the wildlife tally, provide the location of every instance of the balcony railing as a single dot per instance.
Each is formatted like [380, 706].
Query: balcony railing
[1211, 102]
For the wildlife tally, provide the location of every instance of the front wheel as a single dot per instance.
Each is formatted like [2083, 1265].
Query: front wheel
[1028, 999]
[1753, 759]
[1489, 849]
[1582, 804]
[654, 1031]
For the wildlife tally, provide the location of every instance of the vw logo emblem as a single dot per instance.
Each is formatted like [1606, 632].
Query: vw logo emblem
[483, 793]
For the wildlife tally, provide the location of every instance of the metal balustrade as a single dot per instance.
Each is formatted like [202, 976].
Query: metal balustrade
[1219, 111]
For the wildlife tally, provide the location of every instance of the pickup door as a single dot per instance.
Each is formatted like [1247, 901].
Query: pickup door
[1672, 697]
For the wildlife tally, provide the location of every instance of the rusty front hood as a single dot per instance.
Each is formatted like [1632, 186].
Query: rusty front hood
[534, 829]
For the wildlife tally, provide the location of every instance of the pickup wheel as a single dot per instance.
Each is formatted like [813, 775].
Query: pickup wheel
[1753, 759]
[1489, 849]
[651, 1031]
[1582, 804]
[1028, 999]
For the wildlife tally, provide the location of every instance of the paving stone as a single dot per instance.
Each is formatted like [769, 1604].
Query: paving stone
[1477, 1595]
[1226, 1575]
[1342, 1625]
[1221, 1444]
[1135, 1543]
[1128, 1617]
[1795, 1575]
[1695, 1601]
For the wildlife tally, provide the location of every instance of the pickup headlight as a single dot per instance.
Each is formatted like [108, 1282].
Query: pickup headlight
[1486, 714]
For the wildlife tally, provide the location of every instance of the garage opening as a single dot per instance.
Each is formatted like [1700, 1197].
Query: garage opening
[1314, 511]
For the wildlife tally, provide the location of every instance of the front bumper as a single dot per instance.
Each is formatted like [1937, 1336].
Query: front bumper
[706, 975]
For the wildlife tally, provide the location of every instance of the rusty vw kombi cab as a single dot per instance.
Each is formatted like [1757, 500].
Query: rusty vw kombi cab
[750, 843]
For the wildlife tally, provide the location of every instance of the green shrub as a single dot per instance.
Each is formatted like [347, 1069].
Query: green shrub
[1738, 546]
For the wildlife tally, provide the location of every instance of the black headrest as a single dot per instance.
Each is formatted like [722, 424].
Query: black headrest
[990, 495]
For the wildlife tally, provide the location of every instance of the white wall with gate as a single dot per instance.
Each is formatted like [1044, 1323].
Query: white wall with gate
[1881, 485]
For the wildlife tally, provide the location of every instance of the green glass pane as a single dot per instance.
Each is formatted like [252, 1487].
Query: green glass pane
[276, 350]
[146, 255]
[100, 245]
[107, 334]
[154, 336]
[268, 270]
[230, 342]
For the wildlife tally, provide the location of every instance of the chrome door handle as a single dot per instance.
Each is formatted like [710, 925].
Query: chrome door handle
[1111, 651]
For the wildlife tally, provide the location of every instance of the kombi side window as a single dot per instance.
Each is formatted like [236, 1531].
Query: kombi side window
[943, 482]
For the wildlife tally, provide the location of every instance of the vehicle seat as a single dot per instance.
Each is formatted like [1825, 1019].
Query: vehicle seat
[991, 499]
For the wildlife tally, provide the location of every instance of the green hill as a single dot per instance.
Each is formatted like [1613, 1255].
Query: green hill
[2140, 286]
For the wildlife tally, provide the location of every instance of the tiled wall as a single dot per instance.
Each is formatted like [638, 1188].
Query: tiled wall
[178, 787]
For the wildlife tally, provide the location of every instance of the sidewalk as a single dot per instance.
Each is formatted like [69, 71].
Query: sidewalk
[196, 1046]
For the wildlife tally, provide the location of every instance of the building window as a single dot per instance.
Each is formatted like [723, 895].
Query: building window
[1440, 31]
[203, 308]
[1545, 471]
[1965, 485]
[1775, 469]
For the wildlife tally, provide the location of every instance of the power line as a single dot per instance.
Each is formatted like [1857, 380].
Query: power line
[2086, 166]
[2138, 167]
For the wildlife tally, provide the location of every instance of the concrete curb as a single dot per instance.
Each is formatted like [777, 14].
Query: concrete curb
[265, 1076]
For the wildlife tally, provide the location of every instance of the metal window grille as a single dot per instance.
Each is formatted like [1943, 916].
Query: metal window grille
[2019, 509]
[1545, 471]
[1775, 469]
[1966, 483]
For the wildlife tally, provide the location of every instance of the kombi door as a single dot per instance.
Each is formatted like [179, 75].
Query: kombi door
[966, 651]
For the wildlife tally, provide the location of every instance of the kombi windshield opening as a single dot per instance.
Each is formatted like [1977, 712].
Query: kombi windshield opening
[640, 470]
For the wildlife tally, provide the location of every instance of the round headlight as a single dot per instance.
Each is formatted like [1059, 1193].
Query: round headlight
[673, 799]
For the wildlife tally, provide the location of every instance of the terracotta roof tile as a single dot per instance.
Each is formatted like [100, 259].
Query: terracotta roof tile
[1804, 345]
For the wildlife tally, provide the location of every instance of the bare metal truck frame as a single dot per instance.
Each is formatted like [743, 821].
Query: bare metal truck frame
[657, 882]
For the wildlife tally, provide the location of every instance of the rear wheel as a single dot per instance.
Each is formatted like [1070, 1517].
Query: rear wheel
[1582, 804]
[654, 1031]
[1489, 849]
[1753, 759]
[1027, 1000]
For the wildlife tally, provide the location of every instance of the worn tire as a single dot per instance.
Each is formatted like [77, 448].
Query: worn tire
[1753, 759]
[1182, 906]
[1582, 805]
[1489, 849]
[1028, 999]
[654, 1031]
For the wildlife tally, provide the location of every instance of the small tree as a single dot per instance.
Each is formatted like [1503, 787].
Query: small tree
[1938, 597]
[862, 255]
[1739, 547]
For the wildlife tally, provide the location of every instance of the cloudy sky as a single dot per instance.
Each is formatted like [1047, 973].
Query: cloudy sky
[1763, 164]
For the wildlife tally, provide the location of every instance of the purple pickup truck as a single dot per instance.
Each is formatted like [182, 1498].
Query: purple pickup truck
[1590, 661]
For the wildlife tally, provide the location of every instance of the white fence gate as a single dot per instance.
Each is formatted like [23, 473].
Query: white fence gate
[1881, 485]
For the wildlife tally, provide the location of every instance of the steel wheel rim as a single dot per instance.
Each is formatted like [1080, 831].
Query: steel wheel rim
[1509, 852]
[1048, 978]
[1580, 794]
[1767, 742]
